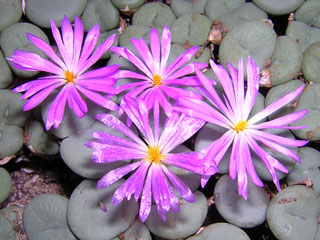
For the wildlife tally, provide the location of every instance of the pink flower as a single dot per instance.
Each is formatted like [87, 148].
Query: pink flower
[69, 73]
[150, 155]
[158, 80]
[243, 132]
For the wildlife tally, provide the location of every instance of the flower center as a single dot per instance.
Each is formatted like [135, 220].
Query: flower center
[156, 80]
[154, 155]
[69, 76]
[240, 126]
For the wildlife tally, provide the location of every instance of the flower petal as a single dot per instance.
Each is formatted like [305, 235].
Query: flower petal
[98, 99]
[33, 62]
[62, 49]
[127, 54]
[77, 40]
[96, 55]
[67, 36]
[191, 161]
[36, 99]
[117, 125]
[278, 139]
[145, 204]
[35, 86]
[88, 46]
[155, 50]
[252, 87]
[180, 61]
[56, 109]
[178, 130]
[142, 48]
[175, 93]
[281, 121]
[186, 70]
[178, 184]
[165, 47]
[75, 102]
[46, 48]
[106, 153]
[276, 105]
[116, 174]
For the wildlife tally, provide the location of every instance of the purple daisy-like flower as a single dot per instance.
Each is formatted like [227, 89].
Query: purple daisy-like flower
[150, 155]
[158, 81]
[68, 72]
[243, 132]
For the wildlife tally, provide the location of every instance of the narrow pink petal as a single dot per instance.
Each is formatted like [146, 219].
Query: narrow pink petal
[47, 49]
[77, 40]
[37, 98]
[33, 62]
[275, 146]
[116, 174]
[175, 93]
[278, 139]
[240, 83]
[115, 140]
[116, 124]
[218, 148]
[199, 109]
[145, 204]
[144, 88]
[180, 61]
[144, 113]
[242, 173]
[155, 50]
[177, 131]
[267, 159]
[276, 105]
[165, 47]
[121, 192]
[278, 122]
[178, 184]
[96, 55]
[186, 70]
[62, 49]
[148, 96]
[252, 87]
[235, 158]
[131, 108]
[160, 190]
[105, 153]
[100, 72]
[129, 74]
[98, 85]
[226, 83]
[75, 102]
[35, 86]
[89, 44]
[249, 164]
[186, 81]
[127, 54]
[56, 109]
[67, 37]
[212, 95]
[141, 174]
[164, 102]
[191, 161]
[142, 48]
[174, 201]
[98, 99]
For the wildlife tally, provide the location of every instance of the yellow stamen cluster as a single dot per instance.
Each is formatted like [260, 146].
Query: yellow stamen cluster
[156, 80]
[69, 76]
[240, 126]
[154, 155]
